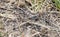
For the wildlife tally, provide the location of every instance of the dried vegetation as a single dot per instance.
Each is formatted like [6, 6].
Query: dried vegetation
[29, 18]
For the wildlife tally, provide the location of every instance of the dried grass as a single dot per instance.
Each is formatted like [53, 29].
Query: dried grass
[38, 19]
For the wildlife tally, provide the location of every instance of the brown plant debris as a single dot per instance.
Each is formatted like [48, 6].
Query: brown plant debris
[29, 18]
